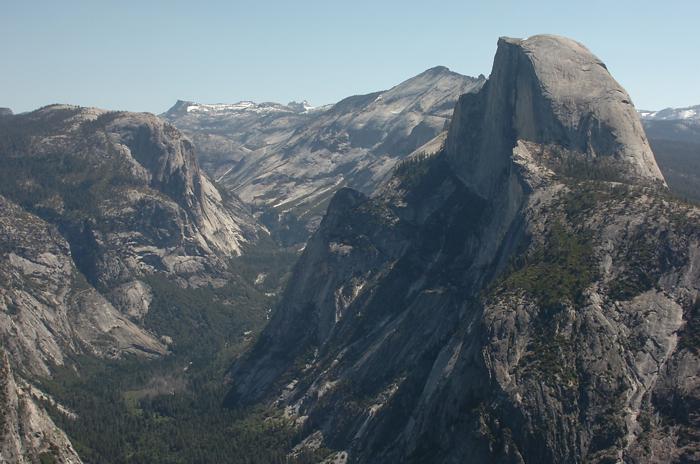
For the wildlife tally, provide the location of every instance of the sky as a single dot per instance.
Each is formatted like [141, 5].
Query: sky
[144, 55]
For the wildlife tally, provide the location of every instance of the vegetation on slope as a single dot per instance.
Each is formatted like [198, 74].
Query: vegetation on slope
[169, 410]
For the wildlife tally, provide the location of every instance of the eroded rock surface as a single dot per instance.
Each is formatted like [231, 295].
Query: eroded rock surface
[27, 433]
[528, 294]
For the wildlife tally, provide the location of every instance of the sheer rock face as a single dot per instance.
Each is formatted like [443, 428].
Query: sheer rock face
[492, 304]
[27, 433]
[216, 226]
[48, 311]
[553, 92]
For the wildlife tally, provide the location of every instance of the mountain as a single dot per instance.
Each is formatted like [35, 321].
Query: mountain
[114, 246]
[671, 114]
[5, 112]
[674, 135]
[527, 294]
[288, 163]
[94, 202]
[225, 133]
[49, 310]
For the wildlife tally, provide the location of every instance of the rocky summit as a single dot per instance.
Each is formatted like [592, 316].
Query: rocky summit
[529, 293]
[554, 95]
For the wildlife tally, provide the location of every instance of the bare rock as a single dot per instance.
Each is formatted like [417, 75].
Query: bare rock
[27, 433]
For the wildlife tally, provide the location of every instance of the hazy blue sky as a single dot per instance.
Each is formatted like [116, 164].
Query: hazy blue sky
[144, 55]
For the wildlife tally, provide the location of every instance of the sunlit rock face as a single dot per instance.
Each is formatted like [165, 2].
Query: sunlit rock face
[551, 92]
[287, 161]
[527, 294]
[92, 203]
[27, 433]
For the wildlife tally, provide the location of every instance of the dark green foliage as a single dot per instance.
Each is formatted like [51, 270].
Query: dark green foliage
[556, 273]
[641, 258]
[551, 357]
[182, 427]
[584, 197]
[78, 182]
[205, 319]
[411, 170]
[170, 410]
[47, 458]
[581, 167]
[679, 161]
[77, 177]
[689, 336]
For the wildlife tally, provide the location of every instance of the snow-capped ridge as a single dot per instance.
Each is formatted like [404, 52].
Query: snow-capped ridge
[239, 108]
[672, 114]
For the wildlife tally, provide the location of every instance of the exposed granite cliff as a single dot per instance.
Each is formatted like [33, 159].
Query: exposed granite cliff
[48, 311]
[27, 433]
[552, 92]
[529, 294]
[95, 201]
[125, 190]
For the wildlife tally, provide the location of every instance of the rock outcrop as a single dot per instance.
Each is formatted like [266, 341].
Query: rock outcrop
[48, 310]
[27, 433]
[552, 92]
[126, 192]
[93, 202]
[528, 294]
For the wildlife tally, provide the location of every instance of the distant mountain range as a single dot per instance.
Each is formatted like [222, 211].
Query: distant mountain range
[671, 114]
[287, 161]
[674, 134]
